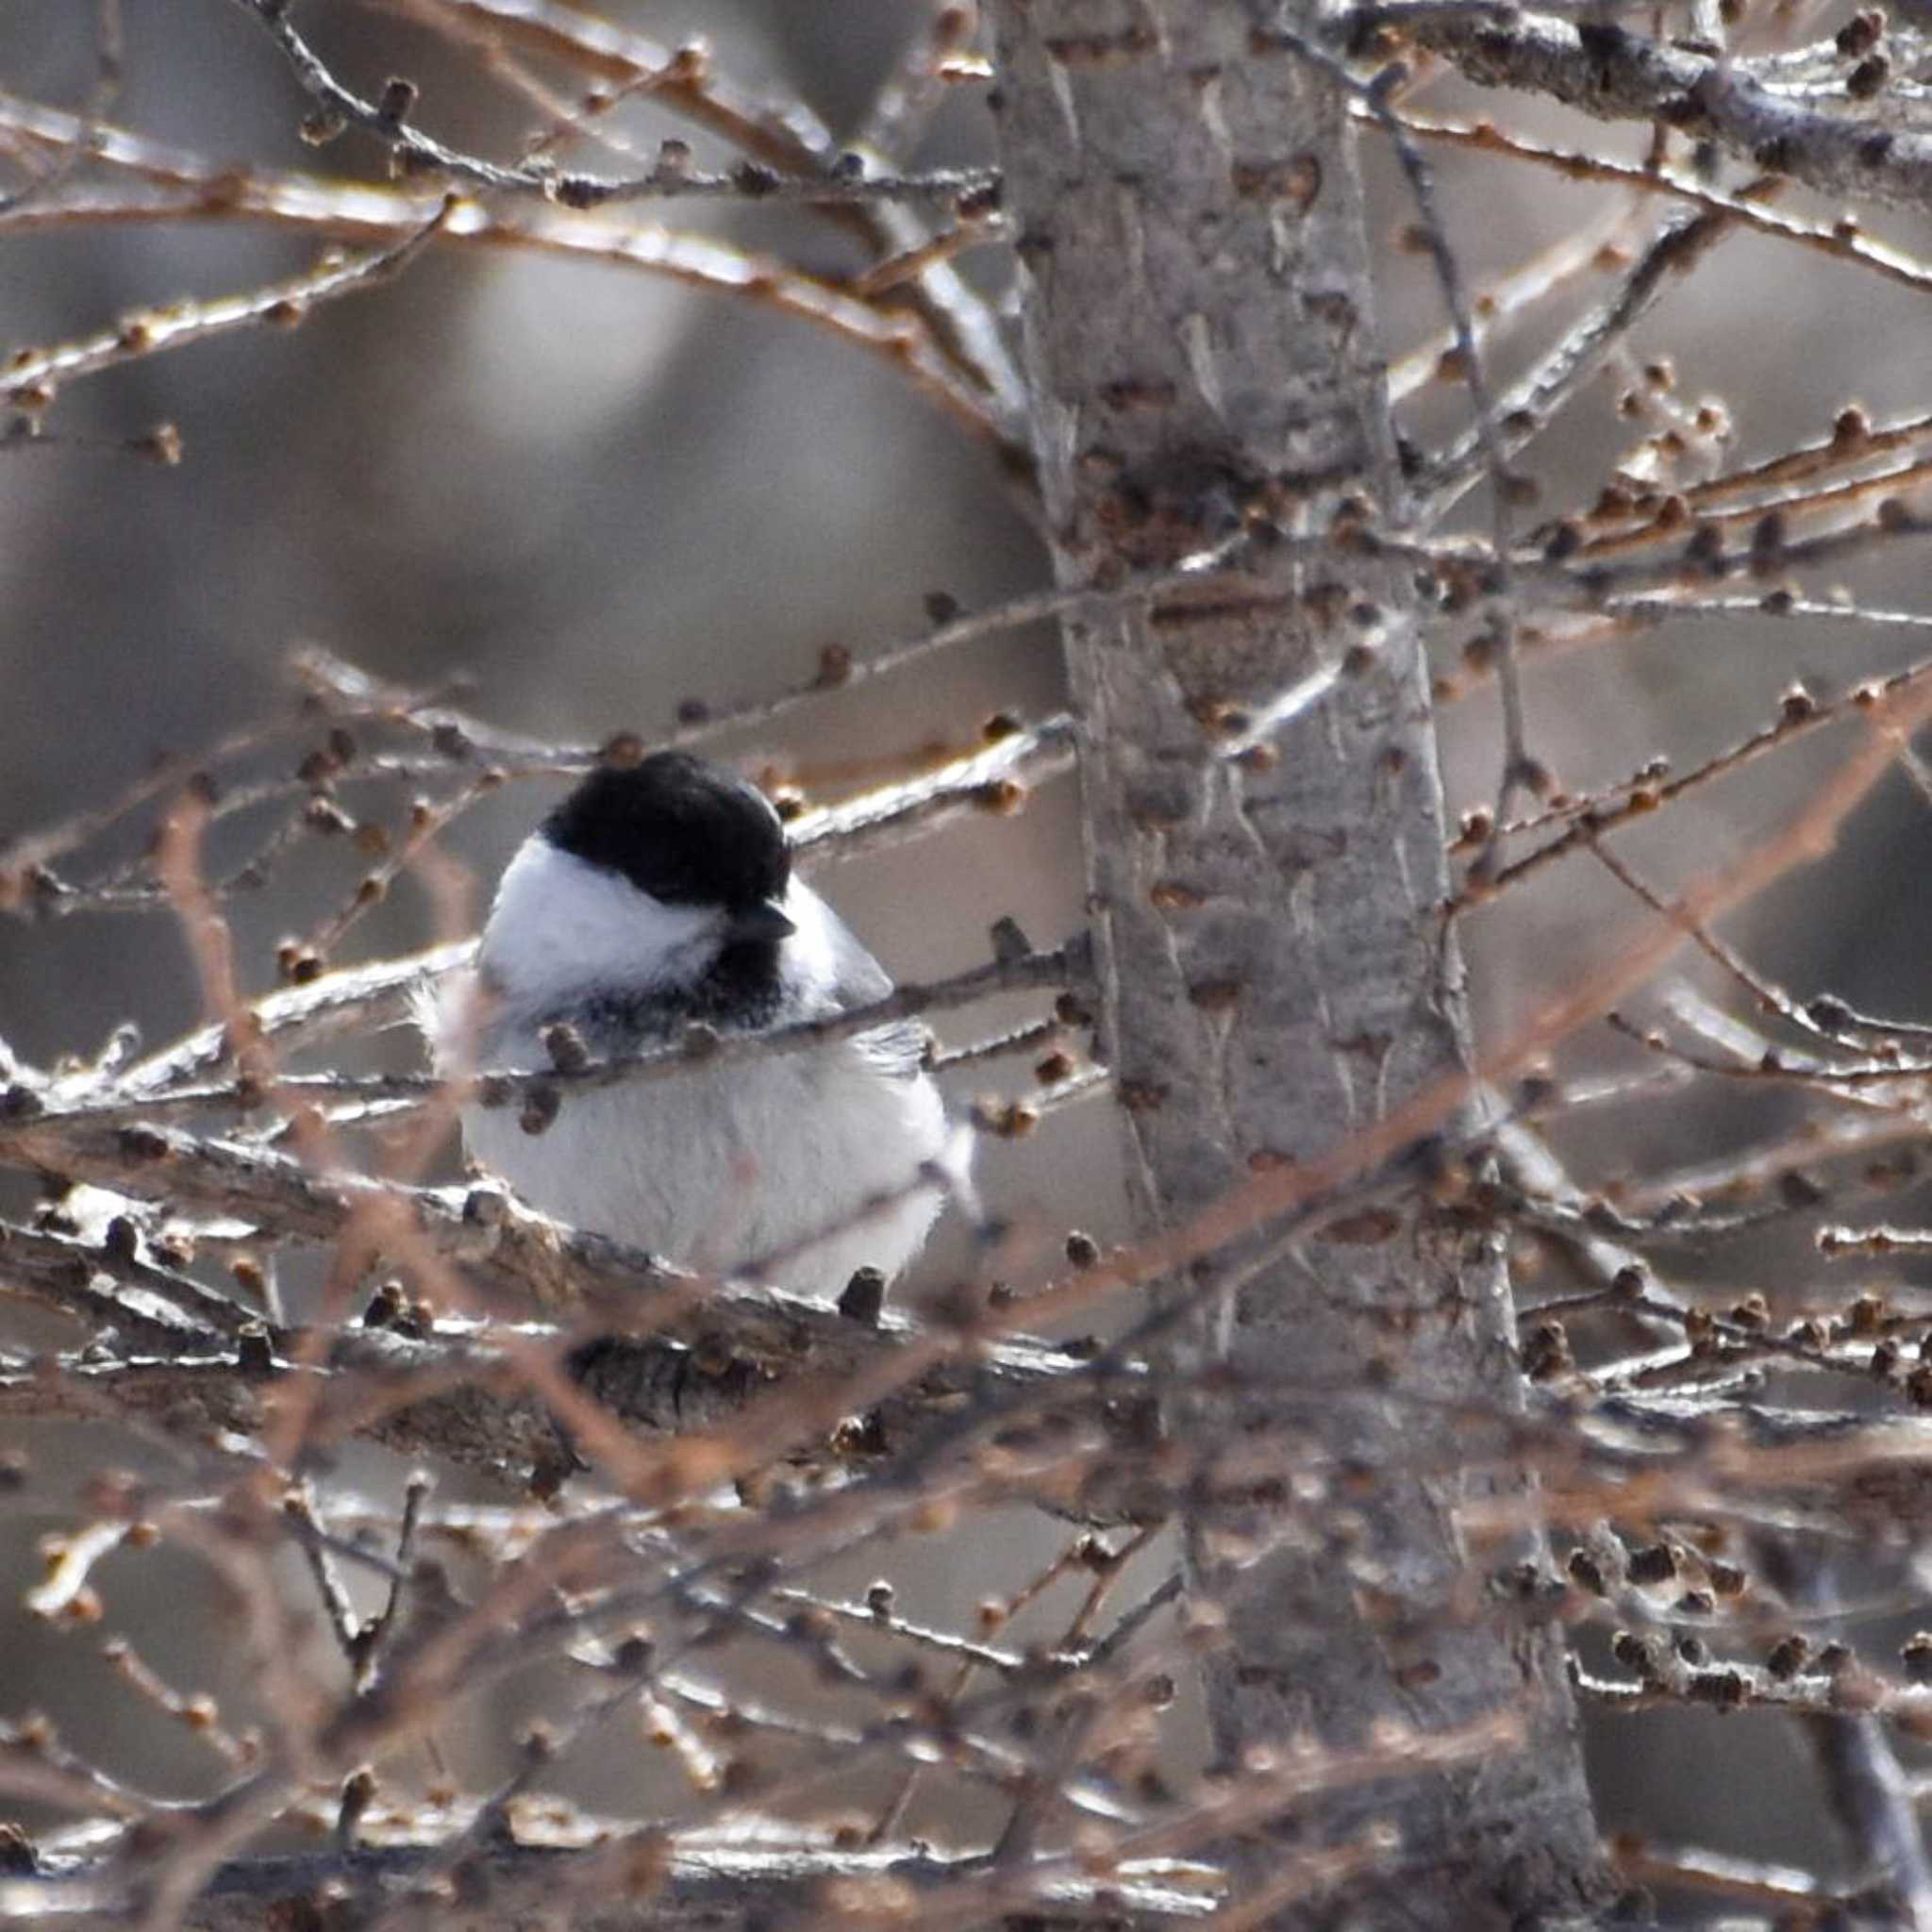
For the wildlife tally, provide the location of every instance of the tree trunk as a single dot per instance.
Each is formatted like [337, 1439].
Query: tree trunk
[1201, 344]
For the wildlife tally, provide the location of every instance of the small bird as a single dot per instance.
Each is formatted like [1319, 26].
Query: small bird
[657, 897]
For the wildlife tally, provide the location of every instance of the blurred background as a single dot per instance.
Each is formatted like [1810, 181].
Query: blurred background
[592, 494]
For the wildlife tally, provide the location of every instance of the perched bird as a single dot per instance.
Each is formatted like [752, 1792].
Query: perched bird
[660, 896]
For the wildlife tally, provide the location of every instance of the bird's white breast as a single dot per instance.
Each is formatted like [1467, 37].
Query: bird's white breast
[732, 1169]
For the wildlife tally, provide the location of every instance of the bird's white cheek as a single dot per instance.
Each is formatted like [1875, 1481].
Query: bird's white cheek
[559, 923]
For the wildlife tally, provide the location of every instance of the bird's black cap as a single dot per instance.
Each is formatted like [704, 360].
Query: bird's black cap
[686, 831]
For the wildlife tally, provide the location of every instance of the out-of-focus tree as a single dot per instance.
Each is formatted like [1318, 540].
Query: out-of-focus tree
[1304, 1536]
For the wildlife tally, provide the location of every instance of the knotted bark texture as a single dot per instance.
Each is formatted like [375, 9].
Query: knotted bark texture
[1201, 347]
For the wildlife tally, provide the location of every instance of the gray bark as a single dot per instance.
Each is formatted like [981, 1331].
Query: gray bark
[627, 1882]
[1201, 344]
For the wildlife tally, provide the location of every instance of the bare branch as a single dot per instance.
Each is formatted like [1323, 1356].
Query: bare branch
[1610, 71]
[276, 306]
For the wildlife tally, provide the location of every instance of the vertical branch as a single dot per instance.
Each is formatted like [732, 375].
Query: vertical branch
[1865, 1786]
[1202, 350]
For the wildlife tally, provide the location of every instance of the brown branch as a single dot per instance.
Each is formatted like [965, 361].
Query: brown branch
[622, 1879]
[1594, 245]
[338, 107]
[366, 214]
[110, 52]
[1800, 716]
[1746, 208]
[145, 1096]
[148, 333]
[783, 135]
[1526, 410]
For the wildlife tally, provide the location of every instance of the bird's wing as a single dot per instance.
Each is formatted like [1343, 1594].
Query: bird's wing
[898, 1050]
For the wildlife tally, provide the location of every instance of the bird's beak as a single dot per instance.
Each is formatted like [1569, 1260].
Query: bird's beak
[764, 923]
